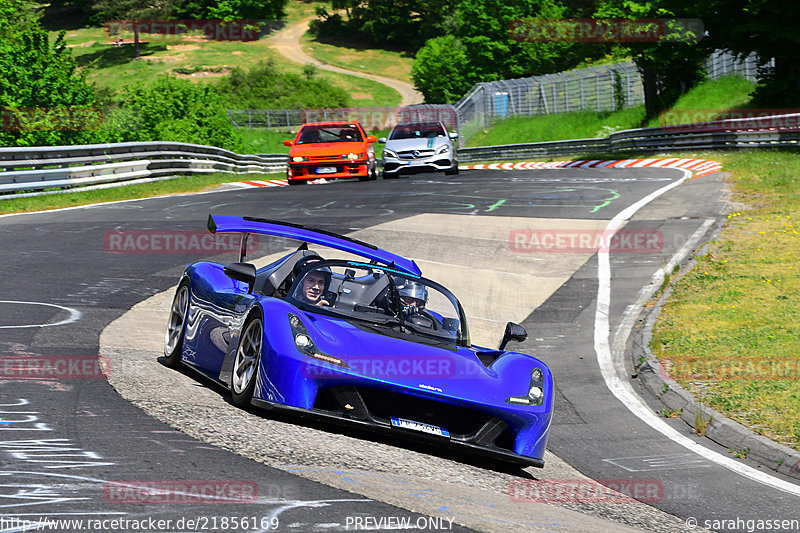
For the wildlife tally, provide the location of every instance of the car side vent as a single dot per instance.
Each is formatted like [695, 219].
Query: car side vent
[489, 357]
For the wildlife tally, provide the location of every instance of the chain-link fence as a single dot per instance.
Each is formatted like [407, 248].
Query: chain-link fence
[371, 118]
[605, 88]
[721, 63]
[602, 89]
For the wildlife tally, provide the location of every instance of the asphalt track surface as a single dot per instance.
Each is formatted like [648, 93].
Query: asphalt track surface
[61, 440]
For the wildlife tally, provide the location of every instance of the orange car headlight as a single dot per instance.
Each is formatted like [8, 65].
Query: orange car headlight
[353, 155]
[298, 159]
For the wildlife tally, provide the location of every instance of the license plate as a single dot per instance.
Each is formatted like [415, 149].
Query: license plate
[410, 163]
[419, 426]
[326, 170]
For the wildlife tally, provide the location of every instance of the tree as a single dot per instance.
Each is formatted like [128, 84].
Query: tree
[669, 66]
[230, 9]
[401, 23]
[486, 50]
[133, 11]
[43, 99]
[767, 28]
[438, 70]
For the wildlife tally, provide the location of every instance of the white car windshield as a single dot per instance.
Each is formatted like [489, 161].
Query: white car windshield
[387, 300]
[417, 131]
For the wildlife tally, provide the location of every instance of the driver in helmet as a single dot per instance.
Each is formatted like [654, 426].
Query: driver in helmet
[314, 284]
[413, 296]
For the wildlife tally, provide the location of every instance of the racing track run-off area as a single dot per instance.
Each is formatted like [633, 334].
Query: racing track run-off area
[571, 253]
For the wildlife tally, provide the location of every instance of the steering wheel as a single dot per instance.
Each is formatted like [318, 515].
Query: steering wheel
[434, 324]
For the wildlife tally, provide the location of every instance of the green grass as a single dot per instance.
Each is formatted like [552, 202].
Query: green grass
[184, 184]
[731, 329]
[264, 141]
[707, 101]
[725, 93]
[354, 55]
[114, 67]
[578, 125]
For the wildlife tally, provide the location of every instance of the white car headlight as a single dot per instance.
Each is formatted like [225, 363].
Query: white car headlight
[443, 150]
[389, 153]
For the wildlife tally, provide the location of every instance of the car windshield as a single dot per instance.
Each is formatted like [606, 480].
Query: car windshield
[383, 300]
[329, 134]
[425, 130]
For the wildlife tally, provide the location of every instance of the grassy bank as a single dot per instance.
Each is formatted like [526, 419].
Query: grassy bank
[725, 93]
[730, 332]
[353, 55]
[184, 184]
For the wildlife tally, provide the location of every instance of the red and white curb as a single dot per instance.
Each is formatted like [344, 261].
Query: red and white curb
[259, 183]
[272, 183]
[700, 167]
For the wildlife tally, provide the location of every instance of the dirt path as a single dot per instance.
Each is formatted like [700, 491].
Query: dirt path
[287, 43]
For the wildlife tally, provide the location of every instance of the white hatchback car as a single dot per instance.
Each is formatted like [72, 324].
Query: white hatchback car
[419, 147]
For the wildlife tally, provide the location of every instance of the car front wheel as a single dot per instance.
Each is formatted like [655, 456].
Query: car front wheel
[176, 326]
[245, 364]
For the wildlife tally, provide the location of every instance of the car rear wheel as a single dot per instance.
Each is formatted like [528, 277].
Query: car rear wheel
[176, 326]
[245, 363]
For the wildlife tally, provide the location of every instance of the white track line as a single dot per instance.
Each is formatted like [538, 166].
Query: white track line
[74, 315]
[616, 379]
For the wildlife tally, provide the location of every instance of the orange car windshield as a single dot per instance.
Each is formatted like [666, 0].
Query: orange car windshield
[329, 134]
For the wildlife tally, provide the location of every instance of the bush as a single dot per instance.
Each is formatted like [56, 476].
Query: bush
[263, 87]
[176, 110]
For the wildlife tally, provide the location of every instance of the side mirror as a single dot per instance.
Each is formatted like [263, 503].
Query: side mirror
[372, 139]
[514, 332]
[288, 143]
[454, 135]
[244, 272]
[382, 140]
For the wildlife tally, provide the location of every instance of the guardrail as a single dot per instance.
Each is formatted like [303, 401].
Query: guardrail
[757, 132]
[31, 170]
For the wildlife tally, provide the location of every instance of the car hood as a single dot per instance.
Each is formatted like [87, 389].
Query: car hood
[453, 372]
[416, 144]
[323, 149]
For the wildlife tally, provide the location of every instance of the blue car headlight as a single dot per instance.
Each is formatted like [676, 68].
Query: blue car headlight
[535, 394]
[305, 345]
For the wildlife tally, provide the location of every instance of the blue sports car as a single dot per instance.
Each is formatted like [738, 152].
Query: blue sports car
[364, 340]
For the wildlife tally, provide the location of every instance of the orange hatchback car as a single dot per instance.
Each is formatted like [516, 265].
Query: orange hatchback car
[331, 150]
